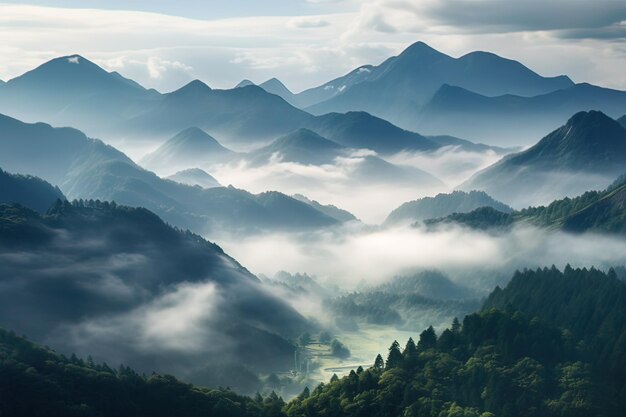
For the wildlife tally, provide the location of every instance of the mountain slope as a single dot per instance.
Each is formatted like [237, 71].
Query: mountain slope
[28, 191]
[443, 205]
[275, 86]
[360, 130]
[302, 146]
[99, 275]
[508, 119]
[551, 348]
[396, 89]
[327, 209]
[72, 90]
[622, 121]
[586, 153]
[195, 176]
[594, 211]
[244, 115]
[190, 148]
[38, 381]
[86, 168]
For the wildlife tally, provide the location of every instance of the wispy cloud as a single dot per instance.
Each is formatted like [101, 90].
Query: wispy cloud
[583, 39]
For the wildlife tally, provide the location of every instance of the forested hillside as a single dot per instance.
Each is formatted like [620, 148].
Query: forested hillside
[562, 355]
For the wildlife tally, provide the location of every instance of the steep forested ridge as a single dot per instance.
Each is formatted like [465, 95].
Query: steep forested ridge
[501, 361]
[598, 211]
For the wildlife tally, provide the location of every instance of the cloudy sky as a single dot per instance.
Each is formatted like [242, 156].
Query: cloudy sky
[164, 44]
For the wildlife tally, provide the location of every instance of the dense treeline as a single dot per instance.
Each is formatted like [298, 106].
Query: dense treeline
[34, 381]
[600, 211]
[549, 360]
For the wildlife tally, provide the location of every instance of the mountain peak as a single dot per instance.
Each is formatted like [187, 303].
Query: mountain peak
[244, 83]
[306, 138]
[193, 136]
[421, 49]
[195, 85]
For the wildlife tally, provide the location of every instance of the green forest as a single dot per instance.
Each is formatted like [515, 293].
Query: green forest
[551, 343]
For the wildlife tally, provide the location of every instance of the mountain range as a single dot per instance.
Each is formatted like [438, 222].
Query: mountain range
[400, 86]
[586, 153]
[107, 105]
[87, 168]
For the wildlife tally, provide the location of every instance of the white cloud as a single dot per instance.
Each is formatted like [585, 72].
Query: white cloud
[308, 50]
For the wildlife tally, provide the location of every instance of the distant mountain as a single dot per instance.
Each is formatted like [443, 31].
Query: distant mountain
[306, 147]
[361, 130]
[468, 146]
[190, 148]
[588, 152]
[275, 86]
[302, 146]
[396, 89]
[430, 284]
[195, 176]
[508, 119]
[406, 302]
[28, 191]
[86, 168]
[72, 90]
[98, 274]
[244, 115]
[596, 211]
[443, 205]
[328, 209]
[244, 83]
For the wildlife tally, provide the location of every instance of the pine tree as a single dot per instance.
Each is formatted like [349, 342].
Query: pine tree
[428, 339]
[379, 363]
[394, 359]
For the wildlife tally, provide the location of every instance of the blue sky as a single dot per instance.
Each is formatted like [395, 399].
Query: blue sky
[164, 44]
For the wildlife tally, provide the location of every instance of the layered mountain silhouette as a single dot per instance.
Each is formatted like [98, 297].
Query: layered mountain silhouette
[195, 176]
[509, 119]
[622, 121]
[306, 147]
[87, 168]
[396, 89]
[588, 152]
[72, 90]
[28, 191]
[247, 114]
[106, 279]
[595, 211]
[273, 86]
[361, 130]
[190, 148]
[443, 205]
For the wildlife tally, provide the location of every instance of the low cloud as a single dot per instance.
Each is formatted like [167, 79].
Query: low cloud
[479, 260]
